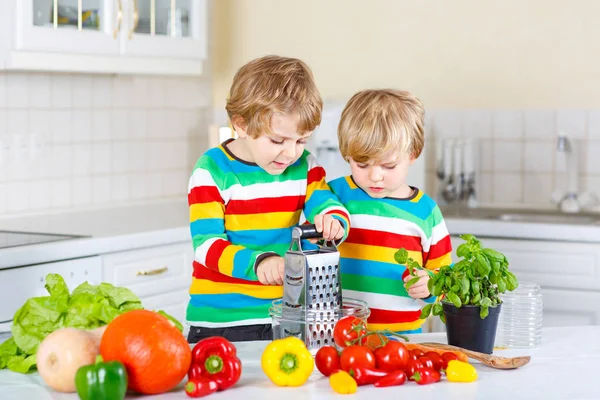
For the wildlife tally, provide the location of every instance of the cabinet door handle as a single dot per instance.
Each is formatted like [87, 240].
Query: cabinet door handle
[119, 19]
[157, 271]
[136, 18]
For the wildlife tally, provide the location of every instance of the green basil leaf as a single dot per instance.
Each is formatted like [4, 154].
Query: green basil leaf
[426, 311]
[411, 282]
[483, 312]
[464, 285]
[453, 297]
[401, 256]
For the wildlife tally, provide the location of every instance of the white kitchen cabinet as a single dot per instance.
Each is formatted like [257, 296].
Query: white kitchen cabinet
[159, 276]
[105, 36]
[568, 273]
[17, 285]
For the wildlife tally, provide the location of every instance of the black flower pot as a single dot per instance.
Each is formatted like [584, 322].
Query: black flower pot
[466, 329]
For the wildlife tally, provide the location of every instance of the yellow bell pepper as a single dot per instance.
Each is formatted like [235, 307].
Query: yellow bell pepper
[287, 362]
[342, 382]
[459, 371]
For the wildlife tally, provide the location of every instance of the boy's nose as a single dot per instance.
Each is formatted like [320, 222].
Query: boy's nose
[290, 152]
[375, 175]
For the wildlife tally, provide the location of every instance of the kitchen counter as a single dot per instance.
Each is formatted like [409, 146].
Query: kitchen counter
[104, 230]
[564, 367]
[523, 224]
[161, 223]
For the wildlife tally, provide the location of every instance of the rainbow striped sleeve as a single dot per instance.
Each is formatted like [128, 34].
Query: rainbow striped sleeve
[207, 225]
[438, 251]
[320, 199]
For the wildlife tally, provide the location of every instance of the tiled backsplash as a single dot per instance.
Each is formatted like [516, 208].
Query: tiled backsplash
[76, 141]
[519, 163]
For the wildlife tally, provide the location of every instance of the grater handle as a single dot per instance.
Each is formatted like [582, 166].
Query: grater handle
[307, 231]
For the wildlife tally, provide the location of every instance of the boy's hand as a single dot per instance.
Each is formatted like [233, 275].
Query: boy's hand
[419, 290]
[332, 228]
[270, 271]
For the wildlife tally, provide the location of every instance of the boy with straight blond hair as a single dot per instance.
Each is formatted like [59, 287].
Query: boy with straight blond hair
[246, 196]
[380, 135]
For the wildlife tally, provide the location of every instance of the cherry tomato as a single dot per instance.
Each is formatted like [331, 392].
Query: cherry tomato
[327, 360]
[436, 359]
[418, 352]
[356, 356]
[447, 356]
[411, 355]
[347, 330]
[392, 357]
[374, 342]
[426, 361]
[412, 367]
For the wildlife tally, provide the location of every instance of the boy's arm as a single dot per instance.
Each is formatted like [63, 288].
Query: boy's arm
[440, 246]
[207, 227]
[320, 199]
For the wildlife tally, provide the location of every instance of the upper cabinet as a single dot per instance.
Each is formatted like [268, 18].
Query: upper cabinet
[166, 37]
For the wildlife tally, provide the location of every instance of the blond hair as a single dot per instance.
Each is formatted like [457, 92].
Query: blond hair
[273, 84]
[375, 122]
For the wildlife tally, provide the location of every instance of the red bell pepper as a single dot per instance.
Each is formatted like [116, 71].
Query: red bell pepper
[215, 359]
[424, 376]
[395, 378]
[200, 387]
[412, 367]
[366, 375]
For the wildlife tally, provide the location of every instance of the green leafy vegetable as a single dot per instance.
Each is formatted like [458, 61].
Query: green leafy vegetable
[87, 307]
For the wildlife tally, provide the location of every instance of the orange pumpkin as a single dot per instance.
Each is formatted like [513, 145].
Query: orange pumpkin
[155, 353]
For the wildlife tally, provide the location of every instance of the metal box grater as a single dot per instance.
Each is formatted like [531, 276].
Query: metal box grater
[312, 291]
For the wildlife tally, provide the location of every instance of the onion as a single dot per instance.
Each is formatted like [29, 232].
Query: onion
[62, 353]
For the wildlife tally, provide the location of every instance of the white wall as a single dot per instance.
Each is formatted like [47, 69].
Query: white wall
[105, 139]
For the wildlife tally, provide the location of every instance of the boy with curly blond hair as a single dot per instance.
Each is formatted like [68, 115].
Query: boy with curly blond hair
[380, 135]
[246, 196]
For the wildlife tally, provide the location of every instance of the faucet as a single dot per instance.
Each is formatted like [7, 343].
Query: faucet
[568, 201]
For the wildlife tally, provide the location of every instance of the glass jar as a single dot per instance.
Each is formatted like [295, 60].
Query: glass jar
[520, 321]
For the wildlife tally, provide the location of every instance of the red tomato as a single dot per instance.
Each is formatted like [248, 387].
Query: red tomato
[438, 361]
[392, 357]
[374, 342]
[426, 361]
[411, 355]
[447, 357]
[356, 356]
[418, 352]
[412, 367]
[347, 330]
[327, 360]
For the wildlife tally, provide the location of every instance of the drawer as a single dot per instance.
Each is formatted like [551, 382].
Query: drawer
[563, 265]
[19, 284]
[150, 271]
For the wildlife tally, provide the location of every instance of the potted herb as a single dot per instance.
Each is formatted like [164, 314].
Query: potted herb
[467, 293]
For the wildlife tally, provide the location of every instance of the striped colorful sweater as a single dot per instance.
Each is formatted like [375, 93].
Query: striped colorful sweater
[240, 214]
[379, 228]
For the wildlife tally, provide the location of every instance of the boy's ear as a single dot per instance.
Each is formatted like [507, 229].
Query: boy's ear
[412, 159]
[240, 126]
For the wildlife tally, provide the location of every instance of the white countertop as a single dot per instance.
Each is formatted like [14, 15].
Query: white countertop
[563, 367]
[108, 230]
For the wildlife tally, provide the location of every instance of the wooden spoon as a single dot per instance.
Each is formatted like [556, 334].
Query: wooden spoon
[487, 359]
